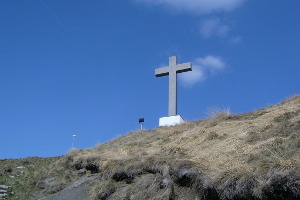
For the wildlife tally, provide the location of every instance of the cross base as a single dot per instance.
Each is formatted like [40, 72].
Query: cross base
[170, 121]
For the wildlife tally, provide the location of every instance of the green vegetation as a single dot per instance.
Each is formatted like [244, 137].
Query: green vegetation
[23, 175]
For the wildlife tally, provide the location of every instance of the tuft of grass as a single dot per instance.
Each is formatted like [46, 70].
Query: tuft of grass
[217, 111]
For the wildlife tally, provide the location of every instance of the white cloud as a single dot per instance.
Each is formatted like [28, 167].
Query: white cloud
[208, 28]
[202, 69]
[212, 63]
[197, 6]
[190, 78]
[213, 27]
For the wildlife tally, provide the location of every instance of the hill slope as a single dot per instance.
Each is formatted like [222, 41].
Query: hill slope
[246, 156]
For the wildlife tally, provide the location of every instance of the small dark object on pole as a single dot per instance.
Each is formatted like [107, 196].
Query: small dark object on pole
[141, 121]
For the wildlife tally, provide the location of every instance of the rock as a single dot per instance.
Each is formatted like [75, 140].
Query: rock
[78, 190]
[45, 183]
[3, 195]
[41, 185]
[81, 172]
[55, 188]
[4, 187]
[8, 170]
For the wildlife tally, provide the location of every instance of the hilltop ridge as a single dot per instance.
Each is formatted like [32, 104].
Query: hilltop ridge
[230, 156]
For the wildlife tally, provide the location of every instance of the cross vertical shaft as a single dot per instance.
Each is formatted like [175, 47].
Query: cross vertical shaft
[172, 86]
[172, 71]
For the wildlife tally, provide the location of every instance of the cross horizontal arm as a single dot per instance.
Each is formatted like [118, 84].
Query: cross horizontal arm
[163, 71]
[185, 67]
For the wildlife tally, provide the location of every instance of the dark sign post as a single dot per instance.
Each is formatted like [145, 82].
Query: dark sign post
[141, 121]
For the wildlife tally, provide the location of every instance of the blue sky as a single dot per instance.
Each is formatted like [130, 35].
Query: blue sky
[87, 67]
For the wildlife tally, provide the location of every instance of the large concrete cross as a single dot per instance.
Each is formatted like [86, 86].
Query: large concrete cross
[172, 70]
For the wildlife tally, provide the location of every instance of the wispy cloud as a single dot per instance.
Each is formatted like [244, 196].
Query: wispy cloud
[236, 40]
[202, 69]
[194, 76]
[208, 28]
[197, 6]
[212, 63]
[213, 27]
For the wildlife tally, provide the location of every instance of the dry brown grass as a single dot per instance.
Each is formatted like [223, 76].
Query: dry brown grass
[231, 154]
[225, 157]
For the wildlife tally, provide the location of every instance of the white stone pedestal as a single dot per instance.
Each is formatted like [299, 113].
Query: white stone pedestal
[170, 121]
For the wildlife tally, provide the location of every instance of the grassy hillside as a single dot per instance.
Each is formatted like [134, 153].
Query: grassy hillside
[247, 156]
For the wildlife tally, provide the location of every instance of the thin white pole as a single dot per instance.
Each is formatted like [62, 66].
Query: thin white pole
[73, 140]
